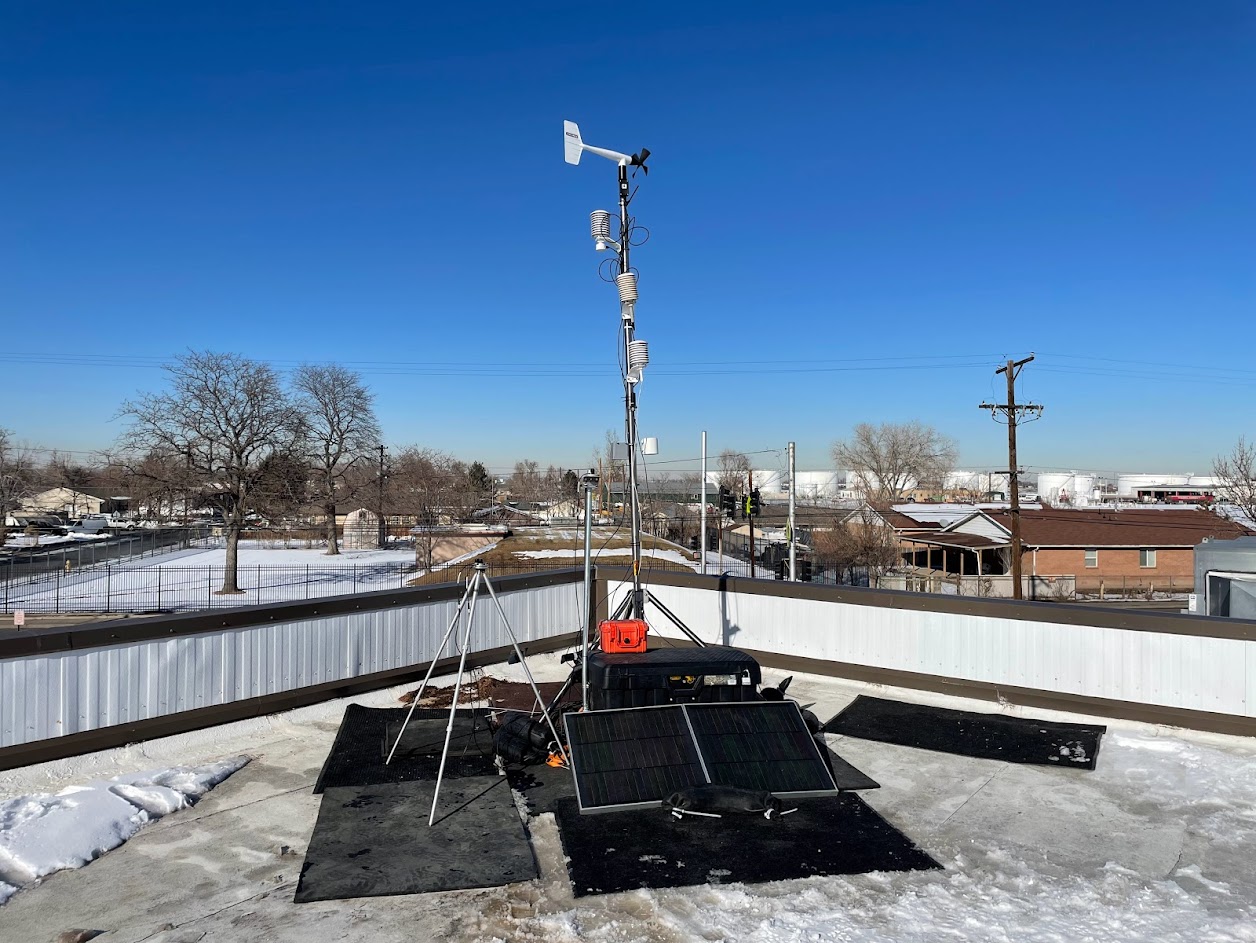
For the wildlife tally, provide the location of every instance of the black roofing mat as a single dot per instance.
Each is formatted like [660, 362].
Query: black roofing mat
[366, 735]
[983, 736]
[629, 756]
[372, 841]
[624, 851]
[846, 775]
[760, 745]
[541, 786]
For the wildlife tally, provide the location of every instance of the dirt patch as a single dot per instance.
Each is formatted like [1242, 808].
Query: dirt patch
[496, 693]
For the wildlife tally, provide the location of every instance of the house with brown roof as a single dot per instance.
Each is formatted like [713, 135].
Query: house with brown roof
[1103, 549]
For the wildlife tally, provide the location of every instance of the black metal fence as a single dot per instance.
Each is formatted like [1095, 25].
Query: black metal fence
[38, 564]
[172, 588]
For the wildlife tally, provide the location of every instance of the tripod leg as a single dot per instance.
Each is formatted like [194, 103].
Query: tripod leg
[453, 707]
[622, 609]
[428, 677]
[535, 690]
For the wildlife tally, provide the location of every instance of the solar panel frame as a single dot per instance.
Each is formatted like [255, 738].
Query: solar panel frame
[616, 767]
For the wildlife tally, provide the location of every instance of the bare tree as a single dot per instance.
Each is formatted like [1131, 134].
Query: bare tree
[860, 541]
[526, 482]
[228, 415]
[890, 459]
[340, 429]
[16, 472]
[434, 488]
[734, 469]
[1236, 478]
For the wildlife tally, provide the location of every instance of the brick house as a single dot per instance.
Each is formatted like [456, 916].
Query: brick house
[1114, 550]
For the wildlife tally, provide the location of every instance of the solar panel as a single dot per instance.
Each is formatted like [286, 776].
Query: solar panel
[639, 756]
[632, 756]
[759, 746]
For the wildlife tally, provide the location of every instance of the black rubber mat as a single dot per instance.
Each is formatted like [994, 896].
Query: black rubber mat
[373, 841]
[542, 786]
[366, 735]
[624, 851]
[847, 777]
[983, 736]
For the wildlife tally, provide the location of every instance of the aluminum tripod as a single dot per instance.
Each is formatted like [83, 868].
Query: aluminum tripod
[472, 594]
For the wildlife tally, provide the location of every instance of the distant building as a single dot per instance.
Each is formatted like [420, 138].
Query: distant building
[1101, 548]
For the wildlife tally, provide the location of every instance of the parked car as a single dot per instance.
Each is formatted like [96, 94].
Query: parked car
[43, 523]
[94, 523]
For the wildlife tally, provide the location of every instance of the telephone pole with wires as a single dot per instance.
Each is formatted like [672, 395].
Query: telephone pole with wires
[383, 524]
[1011, 412]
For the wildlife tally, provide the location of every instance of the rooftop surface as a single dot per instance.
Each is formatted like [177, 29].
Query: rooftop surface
[1155, 844]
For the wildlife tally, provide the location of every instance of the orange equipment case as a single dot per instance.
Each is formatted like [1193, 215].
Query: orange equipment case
[622, 635]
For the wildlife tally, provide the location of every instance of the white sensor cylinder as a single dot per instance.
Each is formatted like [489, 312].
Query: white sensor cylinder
[600, 225]
[627, 283]
[650, 445]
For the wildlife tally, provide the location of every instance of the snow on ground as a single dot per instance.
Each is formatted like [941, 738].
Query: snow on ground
[250, 553]
[660, 554]
[1154, 845]
[187, 579]
[42, 833]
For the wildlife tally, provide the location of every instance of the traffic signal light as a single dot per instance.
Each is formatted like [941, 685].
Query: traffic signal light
[752, 503]
[728, 502]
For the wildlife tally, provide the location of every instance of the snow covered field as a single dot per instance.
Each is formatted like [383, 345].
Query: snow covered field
[1154, 845]
[187, 579]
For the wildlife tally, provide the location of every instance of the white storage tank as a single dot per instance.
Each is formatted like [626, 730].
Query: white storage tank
[816, 485]
[1081, 490]
[1072, 488]
[1049, 485]
[767, 480]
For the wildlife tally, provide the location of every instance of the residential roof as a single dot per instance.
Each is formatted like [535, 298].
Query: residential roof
[1058, 527]
[953, 539]
[900, 521]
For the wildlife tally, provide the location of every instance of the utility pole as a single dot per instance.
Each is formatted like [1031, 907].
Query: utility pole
[793, 544]
[749, 517]
[1011, 412]
[702, 526]
[383, 526]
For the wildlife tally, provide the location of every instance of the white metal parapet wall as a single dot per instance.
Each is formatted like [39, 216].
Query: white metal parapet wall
[1187, 670]
[44, 696]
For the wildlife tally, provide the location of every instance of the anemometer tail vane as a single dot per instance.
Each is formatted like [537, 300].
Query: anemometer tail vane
[572, 145]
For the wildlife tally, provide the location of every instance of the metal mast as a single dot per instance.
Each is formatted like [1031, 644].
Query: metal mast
[634, 354]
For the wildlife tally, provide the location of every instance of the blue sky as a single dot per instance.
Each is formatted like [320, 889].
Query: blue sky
[857, 211]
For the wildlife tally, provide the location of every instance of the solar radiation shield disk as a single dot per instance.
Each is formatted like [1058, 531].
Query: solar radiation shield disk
[631, 757]
[760, 745]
